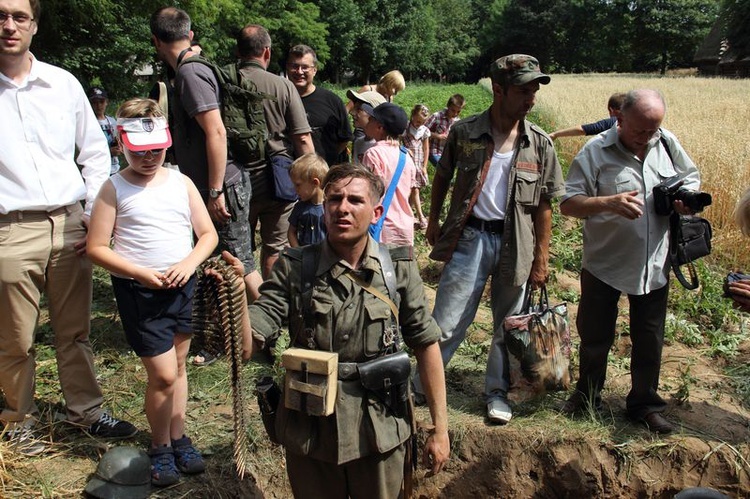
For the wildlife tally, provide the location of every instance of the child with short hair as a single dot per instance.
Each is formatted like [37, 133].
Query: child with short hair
[151, 213]
[99, 102]
[387, 123]
[440, 125]
[416, 139]
[306, 224]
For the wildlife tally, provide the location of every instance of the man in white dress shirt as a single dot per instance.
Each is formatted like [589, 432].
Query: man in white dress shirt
[46, 117]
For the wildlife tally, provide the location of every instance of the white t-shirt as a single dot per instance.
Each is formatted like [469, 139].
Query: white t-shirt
[493, 198]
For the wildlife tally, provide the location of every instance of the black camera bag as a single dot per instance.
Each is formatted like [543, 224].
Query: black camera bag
[694, 239]
[689, 239]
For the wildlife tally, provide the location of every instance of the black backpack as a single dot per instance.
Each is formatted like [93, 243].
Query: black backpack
[241, 111]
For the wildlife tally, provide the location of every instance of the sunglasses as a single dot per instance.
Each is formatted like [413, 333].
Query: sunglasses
[154, 152]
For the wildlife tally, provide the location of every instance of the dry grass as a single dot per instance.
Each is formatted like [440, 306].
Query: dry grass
[710, 116]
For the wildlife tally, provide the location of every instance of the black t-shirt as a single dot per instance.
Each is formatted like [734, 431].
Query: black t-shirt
[330, 124]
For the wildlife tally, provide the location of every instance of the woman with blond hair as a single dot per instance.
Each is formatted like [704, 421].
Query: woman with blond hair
[388, 86]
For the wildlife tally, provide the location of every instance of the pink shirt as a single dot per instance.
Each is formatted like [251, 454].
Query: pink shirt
[382, 158]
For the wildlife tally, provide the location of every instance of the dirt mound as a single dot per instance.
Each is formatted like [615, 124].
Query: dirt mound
[518, 463]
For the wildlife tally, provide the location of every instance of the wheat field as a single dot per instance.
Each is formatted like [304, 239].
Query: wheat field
[710, 116]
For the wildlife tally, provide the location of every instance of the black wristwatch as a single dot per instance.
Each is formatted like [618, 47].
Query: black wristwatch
[215, 193]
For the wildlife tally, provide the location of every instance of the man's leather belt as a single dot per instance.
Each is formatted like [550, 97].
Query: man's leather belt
[348, 371]
[492, 226]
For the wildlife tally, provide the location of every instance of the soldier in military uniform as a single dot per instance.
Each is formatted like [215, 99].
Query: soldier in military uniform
[359, 450]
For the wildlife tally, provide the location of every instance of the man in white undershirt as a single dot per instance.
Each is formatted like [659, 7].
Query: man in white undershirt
[499, 219]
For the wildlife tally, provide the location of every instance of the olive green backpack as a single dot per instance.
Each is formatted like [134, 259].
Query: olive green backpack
[241, 111]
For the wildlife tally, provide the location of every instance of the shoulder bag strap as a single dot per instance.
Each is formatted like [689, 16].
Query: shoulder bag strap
[675, 233]
[376, 293]
[309, 264]
[389, 273]
[391, 299]
[392, 185]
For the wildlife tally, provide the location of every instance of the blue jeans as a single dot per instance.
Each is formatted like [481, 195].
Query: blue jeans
[476, 259]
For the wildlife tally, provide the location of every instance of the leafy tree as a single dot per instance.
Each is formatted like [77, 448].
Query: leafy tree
[456, 45]
[105, 41]
[346, 22]
[600, 35]
[521, 26]
[110, 39]
[105, 45]
[667, 32]
[591, 36]
[738, 25]
[289, 22]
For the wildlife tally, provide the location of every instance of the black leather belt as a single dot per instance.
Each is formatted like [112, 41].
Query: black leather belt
[348, 371]
[492, 226]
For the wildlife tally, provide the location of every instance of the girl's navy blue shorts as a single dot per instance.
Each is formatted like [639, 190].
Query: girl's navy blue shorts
[151, 317]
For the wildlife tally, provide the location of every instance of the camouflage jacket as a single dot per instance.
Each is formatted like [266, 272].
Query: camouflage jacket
[535, 174]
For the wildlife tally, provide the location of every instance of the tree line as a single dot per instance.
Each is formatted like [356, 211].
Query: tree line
[104, 41]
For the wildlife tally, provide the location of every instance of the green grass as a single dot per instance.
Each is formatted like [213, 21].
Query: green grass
[435, 97]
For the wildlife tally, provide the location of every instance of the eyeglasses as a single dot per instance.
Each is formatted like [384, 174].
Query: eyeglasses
[302, 68]
[154, 152]
[22, 21]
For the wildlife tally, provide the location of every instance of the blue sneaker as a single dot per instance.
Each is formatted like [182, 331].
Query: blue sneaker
[187, 457]
[163, 468]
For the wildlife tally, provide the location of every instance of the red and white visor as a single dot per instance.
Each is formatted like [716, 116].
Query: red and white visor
[143, 134]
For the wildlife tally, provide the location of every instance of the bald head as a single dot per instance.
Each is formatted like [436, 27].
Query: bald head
[640, 118]
[644, 101]
[253, 41]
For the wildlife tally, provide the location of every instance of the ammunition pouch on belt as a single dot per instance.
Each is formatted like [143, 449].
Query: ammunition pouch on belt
[310, 381]
[387, 378]
[269, 395]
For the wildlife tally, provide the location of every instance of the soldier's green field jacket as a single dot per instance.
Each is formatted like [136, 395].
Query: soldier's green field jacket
[350, 321]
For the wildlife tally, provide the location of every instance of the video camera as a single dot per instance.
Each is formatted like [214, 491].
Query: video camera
[671, 190]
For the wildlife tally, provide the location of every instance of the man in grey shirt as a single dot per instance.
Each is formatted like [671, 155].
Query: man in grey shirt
[625, 250]
[288, 138]
[200, 141]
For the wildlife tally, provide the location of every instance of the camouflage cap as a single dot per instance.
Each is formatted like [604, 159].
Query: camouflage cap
[517, 69]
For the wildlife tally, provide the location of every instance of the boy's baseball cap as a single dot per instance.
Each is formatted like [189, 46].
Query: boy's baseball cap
[391, 116]
[517, 69]
[370, 97]
[143, 134]
[97, 93]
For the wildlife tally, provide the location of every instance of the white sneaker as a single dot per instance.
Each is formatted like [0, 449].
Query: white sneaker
[22, 438]
[498, 411]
